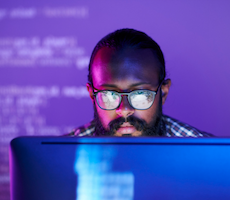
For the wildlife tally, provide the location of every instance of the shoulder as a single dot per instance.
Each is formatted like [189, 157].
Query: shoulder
[85, 130]
[176, 128]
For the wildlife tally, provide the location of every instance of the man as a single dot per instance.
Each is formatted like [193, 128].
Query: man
[127, 86]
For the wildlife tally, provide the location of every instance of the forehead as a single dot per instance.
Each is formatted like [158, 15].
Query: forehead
[130, 65]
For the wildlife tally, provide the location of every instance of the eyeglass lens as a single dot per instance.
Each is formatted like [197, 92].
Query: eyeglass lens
[139, 99]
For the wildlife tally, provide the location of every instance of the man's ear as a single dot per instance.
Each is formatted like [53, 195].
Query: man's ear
[165, 89]
[90, 90]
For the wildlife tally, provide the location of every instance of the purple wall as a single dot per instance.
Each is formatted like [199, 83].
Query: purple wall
[45, 48]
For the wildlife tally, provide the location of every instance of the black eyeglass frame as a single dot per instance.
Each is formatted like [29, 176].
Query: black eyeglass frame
[120, 94]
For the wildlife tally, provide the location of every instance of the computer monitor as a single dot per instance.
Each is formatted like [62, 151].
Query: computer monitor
[87, 168]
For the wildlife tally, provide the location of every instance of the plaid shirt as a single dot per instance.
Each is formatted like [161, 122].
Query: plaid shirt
[174, 128]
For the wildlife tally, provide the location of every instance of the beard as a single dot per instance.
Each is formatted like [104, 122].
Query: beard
[156, 127]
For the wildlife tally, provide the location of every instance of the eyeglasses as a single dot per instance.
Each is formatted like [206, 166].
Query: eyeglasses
[138, 99]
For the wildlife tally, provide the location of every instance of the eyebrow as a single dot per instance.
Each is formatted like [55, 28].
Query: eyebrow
[133, 85]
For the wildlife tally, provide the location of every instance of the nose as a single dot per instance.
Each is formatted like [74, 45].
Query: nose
[125, 109]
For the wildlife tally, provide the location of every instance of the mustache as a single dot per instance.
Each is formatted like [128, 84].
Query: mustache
[139, 124]
[154, 128]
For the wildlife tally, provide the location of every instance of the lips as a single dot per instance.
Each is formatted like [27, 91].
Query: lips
[126, 128]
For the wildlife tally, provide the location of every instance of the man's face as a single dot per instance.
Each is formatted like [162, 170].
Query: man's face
[124, 71]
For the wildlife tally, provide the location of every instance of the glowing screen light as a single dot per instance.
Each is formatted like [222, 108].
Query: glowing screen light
[96, 178]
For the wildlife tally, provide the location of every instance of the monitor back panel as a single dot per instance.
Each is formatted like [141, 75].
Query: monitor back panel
[119, 168]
